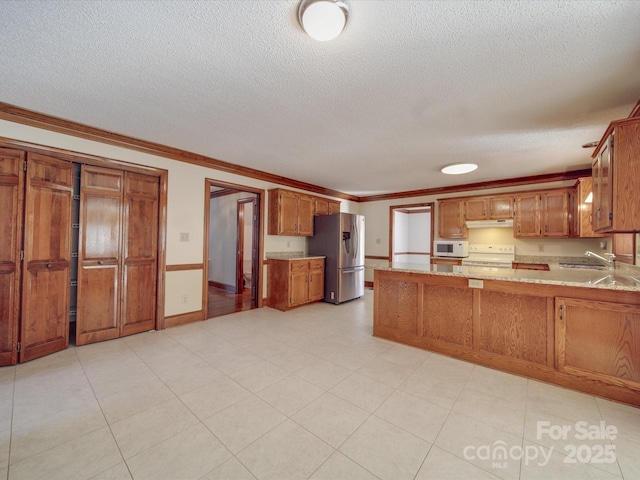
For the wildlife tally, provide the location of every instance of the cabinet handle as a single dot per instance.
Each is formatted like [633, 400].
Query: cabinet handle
[100, 262]
[561, 312]
[49, 265]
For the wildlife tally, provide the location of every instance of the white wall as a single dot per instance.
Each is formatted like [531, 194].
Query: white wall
[419, 236]
[185, 208]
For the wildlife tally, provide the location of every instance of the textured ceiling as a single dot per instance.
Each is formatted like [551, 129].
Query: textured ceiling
[409, 86]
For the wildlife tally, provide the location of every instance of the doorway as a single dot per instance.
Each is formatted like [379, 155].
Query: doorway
[410, 233]
[232, 248]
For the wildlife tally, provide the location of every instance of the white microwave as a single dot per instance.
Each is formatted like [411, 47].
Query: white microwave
[451, 248]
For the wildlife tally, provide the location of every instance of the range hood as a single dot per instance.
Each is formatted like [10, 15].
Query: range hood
[489, 223]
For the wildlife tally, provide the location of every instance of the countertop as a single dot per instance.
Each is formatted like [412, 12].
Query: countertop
[575, 277]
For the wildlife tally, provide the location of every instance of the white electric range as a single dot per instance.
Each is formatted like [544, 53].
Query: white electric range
[492, 257]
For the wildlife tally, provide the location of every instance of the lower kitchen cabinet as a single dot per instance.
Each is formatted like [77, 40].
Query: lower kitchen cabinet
[599, 340]
[295, 282]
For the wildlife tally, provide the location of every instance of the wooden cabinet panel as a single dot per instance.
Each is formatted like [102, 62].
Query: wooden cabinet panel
[305, 216]
[11, 191]
[623, 246]
[446, 261]
[527, 217]
[334, 207]
[295, 282]
[140, 250]
[555, 207]
[616, 178]
[448, 314]
[47, 257]
[501, 207]
[543, 214]
[99, 255]
[522, 334]
[401, 314]
[584, 214]
[476, 208]
[615, 356]
[451, 219]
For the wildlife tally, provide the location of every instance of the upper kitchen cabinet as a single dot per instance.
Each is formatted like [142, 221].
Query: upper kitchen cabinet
[451, 221]
[616, 178]
[290, 213]
[543, 214]
[324, 206]
[497, 207]
[584, 214]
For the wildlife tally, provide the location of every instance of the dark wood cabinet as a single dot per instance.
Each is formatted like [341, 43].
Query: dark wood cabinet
[118, 254]
[497, 207]
[114, 230]
[290, 213]
[324, 206]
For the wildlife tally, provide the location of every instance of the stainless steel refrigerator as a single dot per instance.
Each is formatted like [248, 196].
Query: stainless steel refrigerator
[340, 238]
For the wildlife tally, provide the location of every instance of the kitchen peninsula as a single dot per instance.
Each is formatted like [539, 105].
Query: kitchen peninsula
[575, 328]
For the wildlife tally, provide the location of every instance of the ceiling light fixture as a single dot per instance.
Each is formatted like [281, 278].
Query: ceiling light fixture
[323, 19]
[459, 168]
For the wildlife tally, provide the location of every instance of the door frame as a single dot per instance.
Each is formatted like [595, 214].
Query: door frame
[410, 208]
[258, 237]
[255, 246]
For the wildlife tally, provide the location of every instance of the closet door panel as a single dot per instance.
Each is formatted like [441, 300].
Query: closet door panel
[140, 250]
[99, 255]
[44, 325]
[11, 190]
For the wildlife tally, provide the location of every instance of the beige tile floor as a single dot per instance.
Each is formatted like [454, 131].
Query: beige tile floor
[304, 394]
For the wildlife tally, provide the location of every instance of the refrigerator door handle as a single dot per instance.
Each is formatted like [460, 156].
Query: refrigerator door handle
[355, 240]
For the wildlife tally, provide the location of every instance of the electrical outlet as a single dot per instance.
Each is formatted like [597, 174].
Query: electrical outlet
[184, 299]
[541, 247]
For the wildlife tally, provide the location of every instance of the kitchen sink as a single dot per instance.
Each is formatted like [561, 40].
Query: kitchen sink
[613, 280]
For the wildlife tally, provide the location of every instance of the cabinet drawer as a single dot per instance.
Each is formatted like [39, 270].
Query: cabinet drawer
[316, 263]
[298, 265]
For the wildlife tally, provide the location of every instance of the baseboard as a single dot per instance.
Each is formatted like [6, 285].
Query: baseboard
[223, 286]
[368, 284]
[181, 319]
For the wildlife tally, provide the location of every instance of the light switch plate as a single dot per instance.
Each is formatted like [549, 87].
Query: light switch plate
[475, 283]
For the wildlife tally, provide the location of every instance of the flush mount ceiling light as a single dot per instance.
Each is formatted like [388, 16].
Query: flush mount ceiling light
[459, 168]
[323, 19]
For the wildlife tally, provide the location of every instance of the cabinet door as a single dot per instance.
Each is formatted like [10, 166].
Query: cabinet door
[320, 206]
[98, 314]
[140, 251]
[316, 285]
[599, 340]
[603, 187]
[298, 287]
[44, 326]
[527, 221]
[287, 213]
[500, 207]
[623, 246]
[305, 215]
[451, 220]
[476, 209]
[555, 206]
[334, 207]
[11, 191]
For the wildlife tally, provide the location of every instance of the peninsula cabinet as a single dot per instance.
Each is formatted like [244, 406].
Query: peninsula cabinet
[616, 178]
[290, 213]
[615, 356]
[295, 282]
[451, 221]
[76, 242]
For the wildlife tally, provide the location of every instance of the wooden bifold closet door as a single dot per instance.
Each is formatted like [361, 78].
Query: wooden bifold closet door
[117, 264]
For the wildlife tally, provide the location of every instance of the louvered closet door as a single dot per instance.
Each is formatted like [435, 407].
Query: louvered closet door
[99, 255]
[11, 191]
[140, 251]
[44, 326]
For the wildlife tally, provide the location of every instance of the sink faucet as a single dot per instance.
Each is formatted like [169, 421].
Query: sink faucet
[609, 260]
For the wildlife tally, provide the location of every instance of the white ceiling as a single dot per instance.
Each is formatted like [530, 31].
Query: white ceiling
[409, 86]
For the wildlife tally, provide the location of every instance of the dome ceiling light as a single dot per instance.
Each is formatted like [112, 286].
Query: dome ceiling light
[459, 168]
[323, 19]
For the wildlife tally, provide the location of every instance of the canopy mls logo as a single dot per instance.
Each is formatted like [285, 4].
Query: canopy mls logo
[499, 453]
